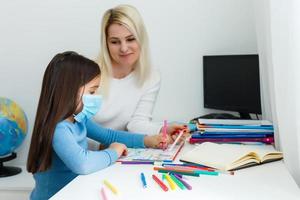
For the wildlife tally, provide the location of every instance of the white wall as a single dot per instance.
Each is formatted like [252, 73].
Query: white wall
[180, 32]
[278, 33]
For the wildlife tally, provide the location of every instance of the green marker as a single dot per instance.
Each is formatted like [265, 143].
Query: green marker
[177, 182]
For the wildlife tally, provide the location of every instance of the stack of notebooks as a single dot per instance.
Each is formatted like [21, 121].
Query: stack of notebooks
[233, 131]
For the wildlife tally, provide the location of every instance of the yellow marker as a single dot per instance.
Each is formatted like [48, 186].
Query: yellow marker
[171, 182]
[110, 186]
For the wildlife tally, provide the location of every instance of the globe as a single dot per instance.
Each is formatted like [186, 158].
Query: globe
[13, 129]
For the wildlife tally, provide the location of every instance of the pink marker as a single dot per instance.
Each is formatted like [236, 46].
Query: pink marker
[103, 194]
[165, 135]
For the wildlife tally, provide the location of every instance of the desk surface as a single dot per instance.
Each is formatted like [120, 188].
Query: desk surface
[268, 181]
[23, 181]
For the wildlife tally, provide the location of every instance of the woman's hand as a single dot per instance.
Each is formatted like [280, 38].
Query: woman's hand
[159, 142]
[173, 131]
[120, 148]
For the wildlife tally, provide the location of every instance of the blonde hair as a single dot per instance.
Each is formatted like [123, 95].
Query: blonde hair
[129, 17]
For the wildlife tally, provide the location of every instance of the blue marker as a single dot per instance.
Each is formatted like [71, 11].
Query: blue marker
[143, 178]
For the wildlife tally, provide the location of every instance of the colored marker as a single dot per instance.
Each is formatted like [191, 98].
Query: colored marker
[186, 170]
[175, 170]
[175, 142]
[160, 183]
[143, 178]
[110, 186]
[178, 183]
[188, 186]
[188, 165]
[182, 173]
[137, 162]
[225, 172]
[171, 182]
[103, 194]
[165, 135]
[189, 168]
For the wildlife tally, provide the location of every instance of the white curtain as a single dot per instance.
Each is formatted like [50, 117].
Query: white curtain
[278, 38]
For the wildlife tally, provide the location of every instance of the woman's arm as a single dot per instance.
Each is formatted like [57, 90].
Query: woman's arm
[78, 159]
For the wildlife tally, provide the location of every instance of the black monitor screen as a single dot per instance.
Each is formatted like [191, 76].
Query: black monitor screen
[231, 82]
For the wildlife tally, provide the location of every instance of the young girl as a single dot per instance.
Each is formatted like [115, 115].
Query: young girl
[58, 150]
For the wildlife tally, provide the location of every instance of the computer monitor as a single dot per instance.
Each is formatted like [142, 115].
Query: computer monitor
[231, 83]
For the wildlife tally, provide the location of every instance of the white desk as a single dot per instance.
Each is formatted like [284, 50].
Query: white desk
[269, 181]
[16, 187]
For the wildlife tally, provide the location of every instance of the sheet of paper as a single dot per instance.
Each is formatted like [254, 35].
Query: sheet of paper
[151, 154]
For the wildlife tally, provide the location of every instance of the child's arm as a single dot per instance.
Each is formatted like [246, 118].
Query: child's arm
[108, 136]
[77, 158]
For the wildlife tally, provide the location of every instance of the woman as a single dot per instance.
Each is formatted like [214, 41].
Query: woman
[129, 84]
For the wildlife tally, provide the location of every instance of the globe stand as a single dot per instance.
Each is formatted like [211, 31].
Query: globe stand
[6, 171]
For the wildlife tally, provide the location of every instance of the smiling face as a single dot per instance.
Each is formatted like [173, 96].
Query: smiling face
[123, 47]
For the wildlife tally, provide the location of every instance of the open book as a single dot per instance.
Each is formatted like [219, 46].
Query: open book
[231, 156]
[148, 154]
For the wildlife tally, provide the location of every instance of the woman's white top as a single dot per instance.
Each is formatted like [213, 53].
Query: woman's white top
[129, 106]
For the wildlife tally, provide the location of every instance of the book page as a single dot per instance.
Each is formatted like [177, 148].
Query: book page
[148, 154]
[215, 155]
[224, 156]
[268, 154]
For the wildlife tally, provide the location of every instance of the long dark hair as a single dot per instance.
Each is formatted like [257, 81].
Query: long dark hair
[64, 76]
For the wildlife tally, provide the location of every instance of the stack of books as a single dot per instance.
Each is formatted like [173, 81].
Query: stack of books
[233, 131]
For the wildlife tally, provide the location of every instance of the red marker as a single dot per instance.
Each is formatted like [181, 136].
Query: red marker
[160, 183]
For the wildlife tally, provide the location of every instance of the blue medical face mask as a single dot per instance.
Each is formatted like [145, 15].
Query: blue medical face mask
[91, 105]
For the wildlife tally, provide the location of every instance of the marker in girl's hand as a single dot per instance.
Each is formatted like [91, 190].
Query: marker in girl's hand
[164, 143]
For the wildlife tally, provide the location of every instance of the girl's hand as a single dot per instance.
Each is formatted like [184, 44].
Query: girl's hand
[153, 141]
[120, 148]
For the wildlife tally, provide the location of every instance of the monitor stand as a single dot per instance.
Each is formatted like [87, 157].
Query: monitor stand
[244, 115]
[219, 116]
